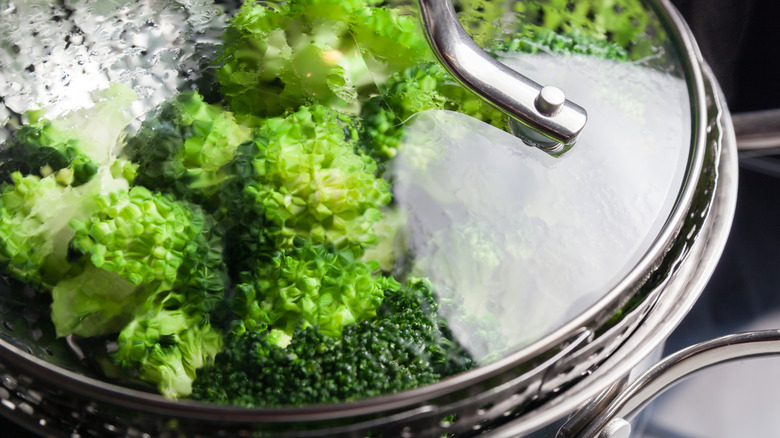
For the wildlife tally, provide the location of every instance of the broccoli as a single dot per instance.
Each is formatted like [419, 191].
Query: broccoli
[148, 246]
[576, 42]
[303, 175]
[34, 222]
[408, 345]
[186, 147]
[280, 56]
[80, 141]
[418, 88]
[622, 23]
[310, 285]
[167, 347]
[241, 251]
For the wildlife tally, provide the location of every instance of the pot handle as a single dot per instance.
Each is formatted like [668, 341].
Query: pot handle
[612, 421]
[540, 116]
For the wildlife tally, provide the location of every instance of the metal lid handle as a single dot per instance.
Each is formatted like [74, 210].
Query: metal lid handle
[541, 116]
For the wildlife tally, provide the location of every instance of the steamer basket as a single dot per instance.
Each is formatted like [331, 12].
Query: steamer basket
[47, 387]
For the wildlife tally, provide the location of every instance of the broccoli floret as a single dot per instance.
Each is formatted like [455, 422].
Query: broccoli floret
[576, 42]
[622, 23]
[80, 141]
[186, 148]
[482, 19]
[278, 57]
[152, 249]
[303, 175]
[419, 88]
[34, 222]
[311, 285]
[167, 347]
[405, 347]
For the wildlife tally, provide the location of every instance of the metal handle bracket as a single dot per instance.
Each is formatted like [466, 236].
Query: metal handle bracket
[540, 115]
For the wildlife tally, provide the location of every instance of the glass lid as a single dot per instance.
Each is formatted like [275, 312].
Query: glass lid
[196, 193]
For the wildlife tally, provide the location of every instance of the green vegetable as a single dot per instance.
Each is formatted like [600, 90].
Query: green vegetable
[34, 223]
[419, 88]
[241, 251]
[310, 285]
[283, 55]
[624, 23]
[76, 143]
[408, 345]
[167, 347]
[307, 180]
[186, 148]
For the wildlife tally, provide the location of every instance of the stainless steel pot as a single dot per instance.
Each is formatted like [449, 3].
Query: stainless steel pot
[531, 390]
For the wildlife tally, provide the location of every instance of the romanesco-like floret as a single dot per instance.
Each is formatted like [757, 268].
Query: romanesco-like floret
[310, 182]
[152, 248]
[186, 148]
[311, 285]
[80, 141]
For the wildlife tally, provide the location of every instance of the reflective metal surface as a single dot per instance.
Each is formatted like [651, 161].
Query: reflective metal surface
[541, 116]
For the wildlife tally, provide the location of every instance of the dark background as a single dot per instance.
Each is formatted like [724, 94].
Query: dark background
[740, 39]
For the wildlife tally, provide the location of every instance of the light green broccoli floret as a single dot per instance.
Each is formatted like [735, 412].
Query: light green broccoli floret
[310, 181]
[78, 142]
[186, 146]
[152, 248]
[310, 285]
[34, 223]
[283, 55]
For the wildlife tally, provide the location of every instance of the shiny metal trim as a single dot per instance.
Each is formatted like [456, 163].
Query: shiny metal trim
[540, 116]
[757, 130]
[680, 365]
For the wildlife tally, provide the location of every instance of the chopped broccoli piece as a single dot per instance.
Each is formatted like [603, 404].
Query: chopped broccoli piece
[187, 147]
[167, 347]
[278, 57]
[625, 23]
[405, 347]
[34, 217]
[310, 285]
[81, 140]
[157, 248]
[310, 182]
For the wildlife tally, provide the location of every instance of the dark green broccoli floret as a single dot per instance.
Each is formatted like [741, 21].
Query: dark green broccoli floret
[405, 347]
